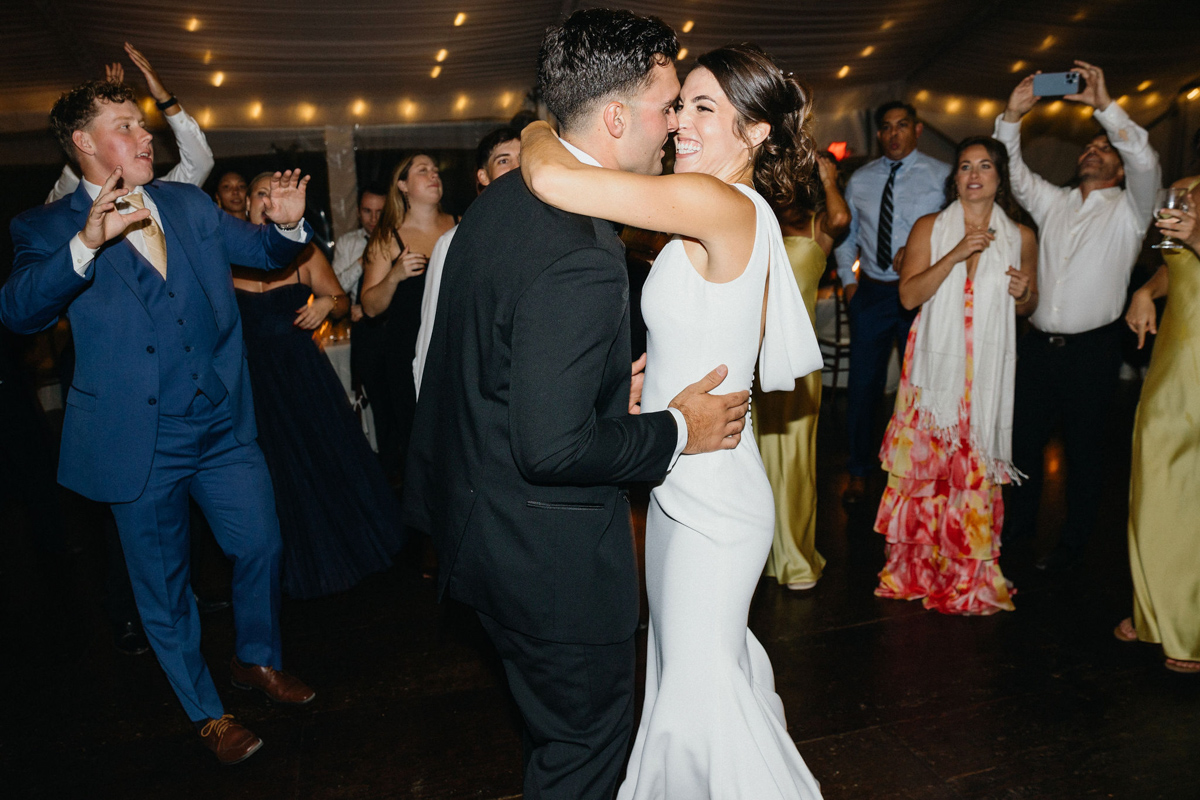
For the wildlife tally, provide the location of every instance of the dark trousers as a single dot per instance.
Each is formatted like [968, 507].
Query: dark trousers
[369, 363]
[877, 321]
[577, 703]
[197, 455]
[1069, 380]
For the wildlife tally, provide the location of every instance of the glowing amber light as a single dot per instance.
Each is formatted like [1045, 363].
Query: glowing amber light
[1152, 99]
[505, 99]
[953, 105]
[687, 26]
[218, 78]
[460, 19]
[1123, 99]
[839, 149]
[682, 54]
[986, 108]
[887, 23]
[1144, 85]
[1193, 94]
[206, 117]
[1054, 107]
[461, 103]
[208, 56]
[192, 25]
[306, 111]
[843, 72]
[441, 55]
[255, 110]
[1047, 43]
[359, 108]
[923, 95]
[868, 50]
[1017, 66]
[433, 73]
[408, 109]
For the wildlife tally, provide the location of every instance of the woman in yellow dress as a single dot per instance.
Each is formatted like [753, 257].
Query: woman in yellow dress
[1164, 549]
[785, 423]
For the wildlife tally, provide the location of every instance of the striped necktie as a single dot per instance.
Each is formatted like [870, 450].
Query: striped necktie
[883, 245]
[152, 236]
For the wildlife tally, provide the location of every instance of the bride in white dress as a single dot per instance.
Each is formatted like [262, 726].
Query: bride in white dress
[721, 291]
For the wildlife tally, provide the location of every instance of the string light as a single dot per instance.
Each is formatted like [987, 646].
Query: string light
[1152, 99]
[1144, 85]
[922, 95]
[461, 103]
[1047, 43]
[460, 19]
[682, 54]
[1054, 107]
[986, 108]
[359, 108]
[887, 23]
[306, 111]
[207, 56]
[192, 25]
[206, 117]
[441, 55]
[1194, 93]
[1017, 66]
[953, 105]
[844, 71]
[868, 50]
[408, 109]
[506, 99]
[687, 26]
[1080, 15]
[255, 110]
[218, 78]
[433, 73]
[1123, 99]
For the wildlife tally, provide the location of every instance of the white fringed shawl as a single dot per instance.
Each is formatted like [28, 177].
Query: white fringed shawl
[939, 362]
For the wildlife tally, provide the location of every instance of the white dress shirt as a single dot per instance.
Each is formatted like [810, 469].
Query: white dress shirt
[347, 261]
[433, 285]
[195, 158]
[82, 255]
[1087, 248]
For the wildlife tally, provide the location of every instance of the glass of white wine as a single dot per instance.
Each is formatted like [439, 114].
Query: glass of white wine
[1175, 198]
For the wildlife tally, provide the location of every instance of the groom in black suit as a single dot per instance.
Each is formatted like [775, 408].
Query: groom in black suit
[524, 426]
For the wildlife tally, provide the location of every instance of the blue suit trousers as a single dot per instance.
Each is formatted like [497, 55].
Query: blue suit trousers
[197, 454]
[877, 321]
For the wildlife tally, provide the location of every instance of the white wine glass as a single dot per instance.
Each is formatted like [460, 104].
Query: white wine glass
[1176, 199]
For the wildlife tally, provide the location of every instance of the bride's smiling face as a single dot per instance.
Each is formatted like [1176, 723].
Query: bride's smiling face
[707, 140]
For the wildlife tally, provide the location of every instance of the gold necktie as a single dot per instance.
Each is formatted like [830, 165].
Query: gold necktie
[152, 236]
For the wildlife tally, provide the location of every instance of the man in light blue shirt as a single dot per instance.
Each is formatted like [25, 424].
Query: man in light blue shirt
[885, 197]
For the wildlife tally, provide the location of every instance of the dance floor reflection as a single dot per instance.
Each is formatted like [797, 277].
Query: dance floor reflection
[885, 699]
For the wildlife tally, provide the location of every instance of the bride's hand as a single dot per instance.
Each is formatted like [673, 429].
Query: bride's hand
[714, 421]
[635, 385]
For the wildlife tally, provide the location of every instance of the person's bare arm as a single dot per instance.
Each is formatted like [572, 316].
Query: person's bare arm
[836, 220]
[328, 298]
[919, 278]
[1142, 316]
[1022, 284]
[381, 277]
[694, 205]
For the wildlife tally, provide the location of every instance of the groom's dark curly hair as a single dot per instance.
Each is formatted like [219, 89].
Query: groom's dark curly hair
[599, 53]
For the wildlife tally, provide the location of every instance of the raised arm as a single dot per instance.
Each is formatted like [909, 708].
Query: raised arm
[195, 156]
[1032, 191]
[694, 205]
[836, 220]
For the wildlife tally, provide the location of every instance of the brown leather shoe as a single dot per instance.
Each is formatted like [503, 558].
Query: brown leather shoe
[229, 740]
[278, 686]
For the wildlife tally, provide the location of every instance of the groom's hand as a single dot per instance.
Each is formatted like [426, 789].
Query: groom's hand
[714, 421]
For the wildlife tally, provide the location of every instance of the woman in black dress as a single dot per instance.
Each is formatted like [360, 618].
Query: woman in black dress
[392, 287]
[339, 518]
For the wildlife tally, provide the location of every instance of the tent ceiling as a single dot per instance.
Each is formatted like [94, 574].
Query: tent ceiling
[304, 63]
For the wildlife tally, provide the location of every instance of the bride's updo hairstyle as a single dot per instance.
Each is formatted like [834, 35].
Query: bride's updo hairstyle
[760, 92]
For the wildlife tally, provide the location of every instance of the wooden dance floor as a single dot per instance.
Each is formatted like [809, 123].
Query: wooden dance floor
[885, 699]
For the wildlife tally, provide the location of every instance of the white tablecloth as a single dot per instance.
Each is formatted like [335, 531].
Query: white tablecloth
[338, 353]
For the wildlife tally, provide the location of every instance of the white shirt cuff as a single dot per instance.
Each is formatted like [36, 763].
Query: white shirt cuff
[296, 234]
[1007, 131]
[681, 439]
[81, 256]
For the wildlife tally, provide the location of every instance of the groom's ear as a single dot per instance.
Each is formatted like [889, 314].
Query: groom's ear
[615, 116]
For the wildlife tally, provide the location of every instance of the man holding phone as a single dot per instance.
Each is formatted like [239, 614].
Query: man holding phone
[1067, 364]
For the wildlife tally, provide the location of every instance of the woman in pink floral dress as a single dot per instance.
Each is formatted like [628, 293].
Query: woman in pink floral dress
[948, 448]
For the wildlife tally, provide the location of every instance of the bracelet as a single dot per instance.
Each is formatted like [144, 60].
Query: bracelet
[291, 227]
[165, 104]
[1024, 298]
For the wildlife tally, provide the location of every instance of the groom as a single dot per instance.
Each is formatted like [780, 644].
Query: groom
[523, 429]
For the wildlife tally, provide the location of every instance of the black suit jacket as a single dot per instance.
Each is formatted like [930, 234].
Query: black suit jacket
[522, 430]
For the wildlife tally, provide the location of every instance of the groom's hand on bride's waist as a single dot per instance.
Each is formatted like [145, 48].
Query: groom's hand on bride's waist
[714, 421]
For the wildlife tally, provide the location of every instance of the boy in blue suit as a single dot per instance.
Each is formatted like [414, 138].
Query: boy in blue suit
[160, 406]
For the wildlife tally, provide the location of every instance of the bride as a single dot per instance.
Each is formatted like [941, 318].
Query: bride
[721, 291]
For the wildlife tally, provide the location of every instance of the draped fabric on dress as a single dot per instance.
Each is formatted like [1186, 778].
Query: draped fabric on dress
[712, 725]
[337, 515]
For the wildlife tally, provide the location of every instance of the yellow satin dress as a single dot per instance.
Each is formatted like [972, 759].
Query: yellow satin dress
[1164, 492]
[785, 424]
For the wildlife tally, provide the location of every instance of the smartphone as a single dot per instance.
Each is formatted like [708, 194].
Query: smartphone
[1056, 84]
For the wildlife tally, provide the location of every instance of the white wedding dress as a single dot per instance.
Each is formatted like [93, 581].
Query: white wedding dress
[712, 725]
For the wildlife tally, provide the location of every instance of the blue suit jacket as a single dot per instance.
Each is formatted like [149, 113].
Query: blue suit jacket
[110, 428]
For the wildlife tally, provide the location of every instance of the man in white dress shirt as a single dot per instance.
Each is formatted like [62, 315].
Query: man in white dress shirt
[1067, 365]
[498, 153]
[349, 248]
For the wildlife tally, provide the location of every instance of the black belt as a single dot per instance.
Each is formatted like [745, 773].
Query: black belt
[1064, 339]
[863, 277]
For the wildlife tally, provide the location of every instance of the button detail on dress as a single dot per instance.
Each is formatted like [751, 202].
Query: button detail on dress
[150, 349]
[152, 401]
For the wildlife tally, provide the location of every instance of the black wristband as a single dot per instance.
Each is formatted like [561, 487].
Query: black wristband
[164, 105]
